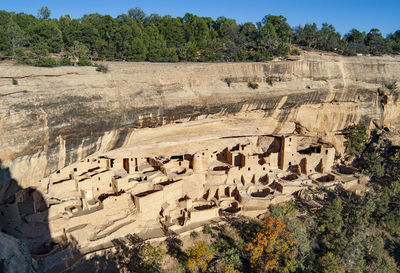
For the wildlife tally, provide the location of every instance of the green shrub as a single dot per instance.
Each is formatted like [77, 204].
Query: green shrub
[230, 248]
[228, 81]
[194, 234]
[269, 80]
[65, 61]
[252, 85]
[349, 52]
[295, 51]
[207, 229]
[357, 139]
[84, 62]
[23, 57]
[282, 49]
[283, 212]
[390, 85]
[101, 68]
[14, 82]
[151, 258]
[46, 62]
[375, 165]
[39, 50]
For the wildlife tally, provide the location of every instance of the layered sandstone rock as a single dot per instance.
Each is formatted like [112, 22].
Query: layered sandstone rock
[57, 116]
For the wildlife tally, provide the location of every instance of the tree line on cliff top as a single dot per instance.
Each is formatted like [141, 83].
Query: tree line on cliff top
[136, 36]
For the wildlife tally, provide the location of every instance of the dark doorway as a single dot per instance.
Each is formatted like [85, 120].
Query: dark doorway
[126, 164]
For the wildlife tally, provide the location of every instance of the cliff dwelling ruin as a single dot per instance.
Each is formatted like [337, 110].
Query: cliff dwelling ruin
[159, 149]
[101, 198]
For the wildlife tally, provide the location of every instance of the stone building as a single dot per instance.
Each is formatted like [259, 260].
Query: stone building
[174, 191]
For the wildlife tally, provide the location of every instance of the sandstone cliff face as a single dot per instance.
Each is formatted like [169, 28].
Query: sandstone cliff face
[56, 116]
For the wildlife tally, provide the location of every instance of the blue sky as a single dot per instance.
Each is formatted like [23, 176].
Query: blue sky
[344, 15]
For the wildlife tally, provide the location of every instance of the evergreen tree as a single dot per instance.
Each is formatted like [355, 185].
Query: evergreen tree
[15, 35]
[44, 13]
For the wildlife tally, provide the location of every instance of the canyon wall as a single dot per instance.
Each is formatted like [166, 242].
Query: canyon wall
[56, 116]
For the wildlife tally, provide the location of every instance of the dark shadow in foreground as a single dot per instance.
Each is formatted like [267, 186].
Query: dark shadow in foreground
[24, 216]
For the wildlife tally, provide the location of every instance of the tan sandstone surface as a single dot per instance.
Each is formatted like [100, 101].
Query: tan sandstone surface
[57, 116]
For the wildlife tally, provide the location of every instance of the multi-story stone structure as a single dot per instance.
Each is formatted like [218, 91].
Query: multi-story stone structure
[102, 198]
